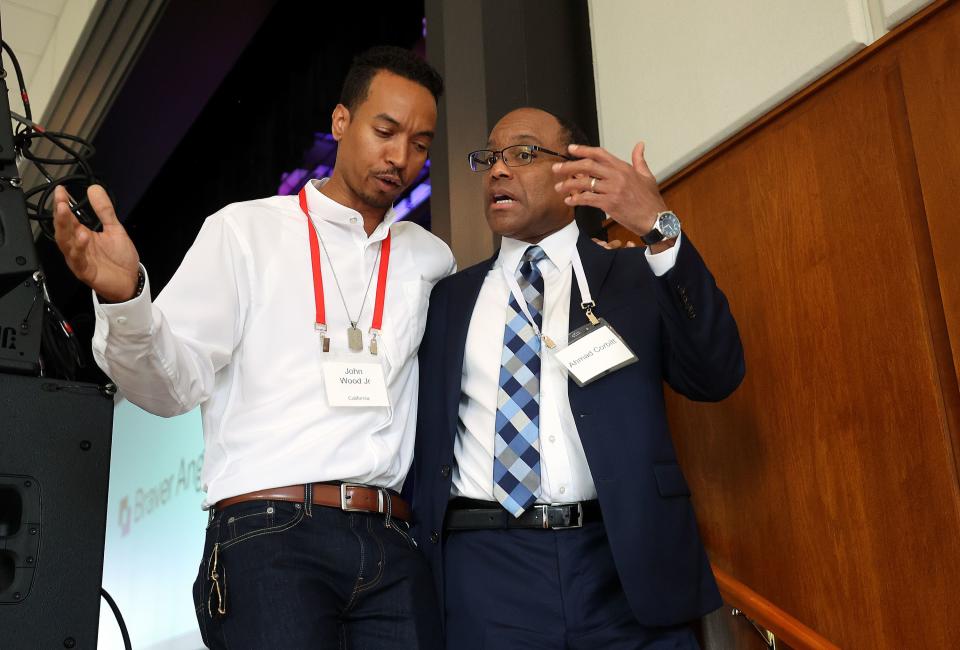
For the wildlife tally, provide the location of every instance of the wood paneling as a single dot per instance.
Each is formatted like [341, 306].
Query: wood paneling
[828, 482]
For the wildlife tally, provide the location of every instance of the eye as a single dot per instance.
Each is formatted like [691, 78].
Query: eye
[383, 133]
[419, 146]
[523, 154]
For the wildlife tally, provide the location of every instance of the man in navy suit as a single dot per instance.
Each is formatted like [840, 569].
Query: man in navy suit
[548, 497]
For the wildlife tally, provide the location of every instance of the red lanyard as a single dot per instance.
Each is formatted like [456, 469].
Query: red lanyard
[321, 319]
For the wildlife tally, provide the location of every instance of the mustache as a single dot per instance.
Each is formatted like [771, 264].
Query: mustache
[389, 171]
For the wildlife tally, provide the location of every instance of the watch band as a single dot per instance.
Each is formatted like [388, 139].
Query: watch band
[655, 236]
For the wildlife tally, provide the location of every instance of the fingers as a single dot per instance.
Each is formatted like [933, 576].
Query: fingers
[613, 244]
[585, 167]
[598, 154]
[101, 204]
[575, 185]
[64, 222]
[599, 201]
[639, 162]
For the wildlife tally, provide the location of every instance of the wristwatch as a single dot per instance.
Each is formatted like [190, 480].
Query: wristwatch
[667, 226]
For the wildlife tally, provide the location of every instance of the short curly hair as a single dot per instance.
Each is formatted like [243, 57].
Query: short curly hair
[396, 60]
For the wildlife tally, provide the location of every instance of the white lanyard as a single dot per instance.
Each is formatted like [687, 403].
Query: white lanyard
[586, 299]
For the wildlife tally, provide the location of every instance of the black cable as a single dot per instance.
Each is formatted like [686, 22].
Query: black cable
[20, 82]
[41, 210]
[119, 617]
[67, 164]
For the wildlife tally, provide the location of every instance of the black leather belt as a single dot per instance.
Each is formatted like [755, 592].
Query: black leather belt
[470, 514]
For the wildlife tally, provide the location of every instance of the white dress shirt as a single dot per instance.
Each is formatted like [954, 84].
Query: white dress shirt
[233, 332]
[565, 475]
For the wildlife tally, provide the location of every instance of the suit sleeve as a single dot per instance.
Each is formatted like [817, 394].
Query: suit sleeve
[430, 362]
[702, 352]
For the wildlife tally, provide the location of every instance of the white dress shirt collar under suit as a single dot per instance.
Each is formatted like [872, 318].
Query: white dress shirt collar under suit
[233, 332]
[565, 474]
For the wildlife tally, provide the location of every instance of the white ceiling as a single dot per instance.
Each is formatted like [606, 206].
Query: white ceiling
[28, 26]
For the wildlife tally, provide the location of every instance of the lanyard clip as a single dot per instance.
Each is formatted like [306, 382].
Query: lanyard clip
[324, 339]
[374, 332]
[588, 310]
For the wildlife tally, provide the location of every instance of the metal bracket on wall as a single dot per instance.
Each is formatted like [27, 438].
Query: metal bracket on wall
[767, 635]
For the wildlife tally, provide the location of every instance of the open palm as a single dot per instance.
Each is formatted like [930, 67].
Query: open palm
[105, 261]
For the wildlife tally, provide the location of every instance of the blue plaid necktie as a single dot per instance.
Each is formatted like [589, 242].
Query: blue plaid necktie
[516, 453]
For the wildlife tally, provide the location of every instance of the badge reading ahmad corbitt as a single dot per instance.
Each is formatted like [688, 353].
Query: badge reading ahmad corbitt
[593, 351]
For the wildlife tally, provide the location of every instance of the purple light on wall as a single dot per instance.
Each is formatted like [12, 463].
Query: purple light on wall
[413, 201]
[291, 182]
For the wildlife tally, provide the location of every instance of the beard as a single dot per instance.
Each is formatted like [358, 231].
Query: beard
[379, 201]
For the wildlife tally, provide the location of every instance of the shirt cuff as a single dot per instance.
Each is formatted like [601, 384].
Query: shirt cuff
[663, 261]
[131, 317]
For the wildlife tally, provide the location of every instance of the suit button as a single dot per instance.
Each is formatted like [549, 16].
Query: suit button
[434, 537]
[445, 471]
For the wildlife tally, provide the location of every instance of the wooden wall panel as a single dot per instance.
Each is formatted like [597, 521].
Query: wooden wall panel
[828, 482]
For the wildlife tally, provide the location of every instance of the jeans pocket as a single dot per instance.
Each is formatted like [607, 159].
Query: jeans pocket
[246, 521]
[200, 601]
[401, 529]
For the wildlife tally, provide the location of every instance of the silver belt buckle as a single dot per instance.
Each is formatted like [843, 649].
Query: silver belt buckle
[546, 518]
[344, 505]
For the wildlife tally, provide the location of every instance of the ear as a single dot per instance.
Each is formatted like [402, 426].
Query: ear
[339, 121]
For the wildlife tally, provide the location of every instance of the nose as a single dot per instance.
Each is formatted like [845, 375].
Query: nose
[500, 169]
[397, 153]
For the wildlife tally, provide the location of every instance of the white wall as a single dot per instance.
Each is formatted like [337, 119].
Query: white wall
[684, 75]
[44, 34]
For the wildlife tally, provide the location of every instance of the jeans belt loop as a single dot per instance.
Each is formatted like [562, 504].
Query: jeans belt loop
[308, 499]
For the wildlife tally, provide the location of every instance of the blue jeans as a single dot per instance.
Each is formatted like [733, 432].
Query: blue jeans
[280, 575]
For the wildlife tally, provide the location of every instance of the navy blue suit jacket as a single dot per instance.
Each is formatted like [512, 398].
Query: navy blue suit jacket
[680, 327]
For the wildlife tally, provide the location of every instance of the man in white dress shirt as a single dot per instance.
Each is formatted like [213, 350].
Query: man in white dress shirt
[547, 493]
[294, 322]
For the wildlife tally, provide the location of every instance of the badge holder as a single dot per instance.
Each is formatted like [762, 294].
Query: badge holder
[354, 379]
[594, 350]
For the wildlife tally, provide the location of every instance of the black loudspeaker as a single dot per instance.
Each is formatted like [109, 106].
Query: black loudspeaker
[54, 471]
[21, 320]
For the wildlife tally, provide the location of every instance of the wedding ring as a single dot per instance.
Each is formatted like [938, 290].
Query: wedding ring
[593, 183]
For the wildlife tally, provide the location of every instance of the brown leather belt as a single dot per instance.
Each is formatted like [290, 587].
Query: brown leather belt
[349, 497]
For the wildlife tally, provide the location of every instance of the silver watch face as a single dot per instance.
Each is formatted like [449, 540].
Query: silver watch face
[669, 225]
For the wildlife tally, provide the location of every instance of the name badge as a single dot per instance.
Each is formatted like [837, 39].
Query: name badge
[594, 351]
[355, 384]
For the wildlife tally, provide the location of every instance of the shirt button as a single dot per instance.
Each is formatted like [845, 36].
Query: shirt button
[563, 490]
[434, 537]
[553, 438]
[353, 220]
[121, 320]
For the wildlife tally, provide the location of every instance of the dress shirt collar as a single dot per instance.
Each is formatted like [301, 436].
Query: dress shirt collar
[323, 207]
[558, 247]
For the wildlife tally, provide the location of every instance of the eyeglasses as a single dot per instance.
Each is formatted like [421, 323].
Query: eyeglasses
[516, 155]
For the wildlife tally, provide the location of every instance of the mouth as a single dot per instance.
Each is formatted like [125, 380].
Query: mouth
[501, 198]
[388, 182]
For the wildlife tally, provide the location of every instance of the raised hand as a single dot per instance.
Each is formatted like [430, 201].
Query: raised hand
[627, 193]
[107, 261]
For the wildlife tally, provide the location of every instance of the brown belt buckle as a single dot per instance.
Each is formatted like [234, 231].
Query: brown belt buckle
[346, 507]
